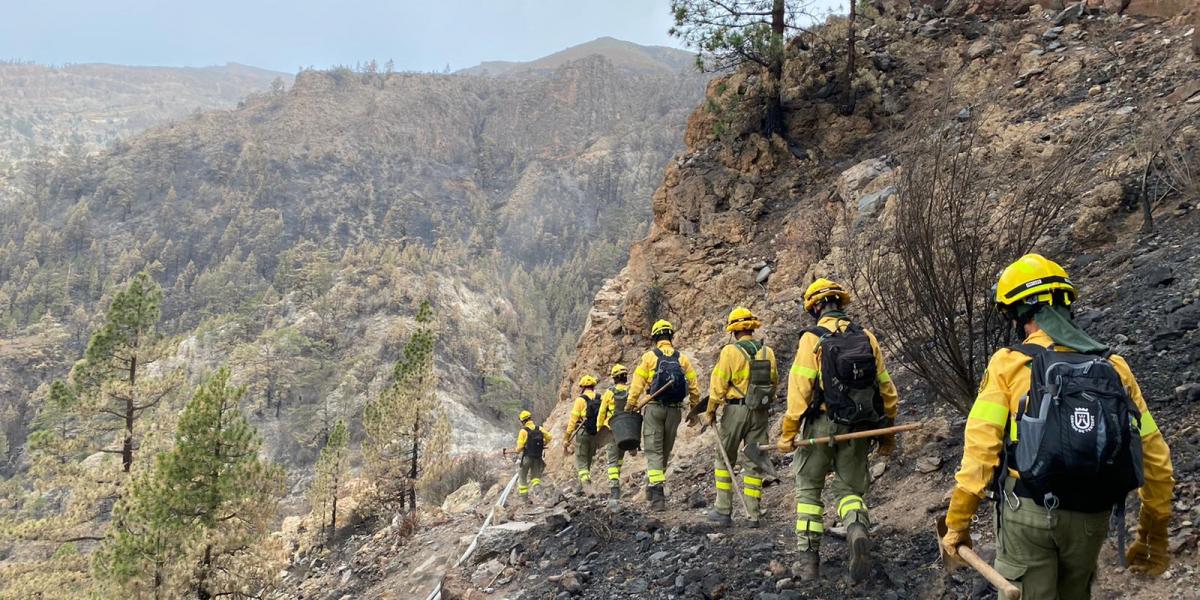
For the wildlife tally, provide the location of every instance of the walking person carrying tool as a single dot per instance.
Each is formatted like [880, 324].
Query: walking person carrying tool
[743, 381]
[583, 428]
[838, 385]
[1058, 435]
[668, 374]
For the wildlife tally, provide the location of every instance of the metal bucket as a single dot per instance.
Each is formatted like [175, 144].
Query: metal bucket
[627, 430]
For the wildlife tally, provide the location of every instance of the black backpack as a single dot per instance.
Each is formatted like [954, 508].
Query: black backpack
[1079, 445]
[593, 412]
[849, 388]
[535, 443]
[759, 387]
[669, 373]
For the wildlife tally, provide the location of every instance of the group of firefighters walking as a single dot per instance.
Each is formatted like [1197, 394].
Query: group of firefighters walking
[1057, 436]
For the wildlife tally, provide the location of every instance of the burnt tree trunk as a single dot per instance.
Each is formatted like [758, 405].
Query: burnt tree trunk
[848, 100]
[773, 123]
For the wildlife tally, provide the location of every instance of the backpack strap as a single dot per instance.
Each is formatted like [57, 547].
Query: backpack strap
[1030, 350]
[818, 331]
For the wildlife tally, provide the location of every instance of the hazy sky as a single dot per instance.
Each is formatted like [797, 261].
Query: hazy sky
[284, 35]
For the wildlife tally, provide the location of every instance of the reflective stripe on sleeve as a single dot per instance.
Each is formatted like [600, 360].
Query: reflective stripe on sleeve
[804, 371]
[1148, 424]
[989, 412]
[883, 377]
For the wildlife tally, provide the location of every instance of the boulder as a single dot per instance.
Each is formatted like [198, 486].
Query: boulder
[1069, 14]
[486, 573]
[498, 540]
[928, 464]
[853, 181]
[1188, 392]
[462, 499]
[980, 48]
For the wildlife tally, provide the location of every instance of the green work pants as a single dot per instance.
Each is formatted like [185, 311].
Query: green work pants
[740, 424]
[1049, 555]
[530, 475]
[659, 424]
[616, 459]
[585, 451]
[848, 461]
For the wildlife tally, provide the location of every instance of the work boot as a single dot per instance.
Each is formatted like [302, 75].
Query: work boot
[807, 566]
[658, 498]
[718, 519]
[614, 493]
[860, 551]
[753, 522]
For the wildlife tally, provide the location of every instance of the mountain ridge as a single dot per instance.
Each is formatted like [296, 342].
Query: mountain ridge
[623, 54]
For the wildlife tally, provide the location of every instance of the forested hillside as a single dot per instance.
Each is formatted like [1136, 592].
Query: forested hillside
[303, 229]
[46, 110]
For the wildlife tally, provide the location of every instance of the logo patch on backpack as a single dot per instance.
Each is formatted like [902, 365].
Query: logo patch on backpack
[1083, 421]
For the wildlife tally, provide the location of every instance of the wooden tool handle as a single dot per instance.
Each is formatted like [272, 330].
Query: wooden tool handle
[1009, 590]
[651, 397]
[850, 436]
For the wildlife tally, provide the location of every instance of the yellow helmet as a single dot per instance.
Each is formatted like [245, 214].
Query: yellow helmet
[1033, 279]
[524, 416]
[587, 381]
[662, 326]
[822, 289]
[741, 319]
[618, 369]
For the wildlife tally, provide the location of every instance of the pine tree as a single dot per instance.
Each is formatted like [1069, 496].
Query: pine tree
[145, 543]
[399, 423]
[108, 379]
[198, 521]
[330, 473]
[730, 33]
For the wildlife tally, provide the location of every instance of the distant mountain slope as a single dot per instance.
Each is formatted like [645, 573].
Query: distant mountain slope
[626, 56]
[90, 105]
[505, 201]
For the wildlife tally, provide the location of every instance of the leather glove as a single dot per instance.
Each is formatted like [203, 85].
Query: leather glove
[1148, 555]
[887, 445]
[787, 434]
[963, 505]
[707, 419]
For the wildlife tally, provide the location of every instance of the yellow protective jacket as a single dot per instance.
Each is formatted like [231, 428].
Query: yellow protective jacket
[608, 405]
[806, 372]
[523, 435]
[579, 411]
[731, 375]
[644, 374]
[1005, 382]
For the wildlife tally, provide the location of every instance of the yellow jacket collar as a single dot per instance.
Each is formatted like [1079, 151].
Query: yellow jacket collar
[665, 345]
[530, 425]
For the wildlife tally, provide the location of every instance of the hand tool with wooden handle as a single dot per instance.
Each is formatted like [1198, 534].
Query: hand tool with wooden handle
[842, 437]
[968, 556]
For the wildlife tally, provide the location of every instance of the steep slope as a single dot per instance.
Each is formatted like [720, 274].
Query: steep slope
[88, 106]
